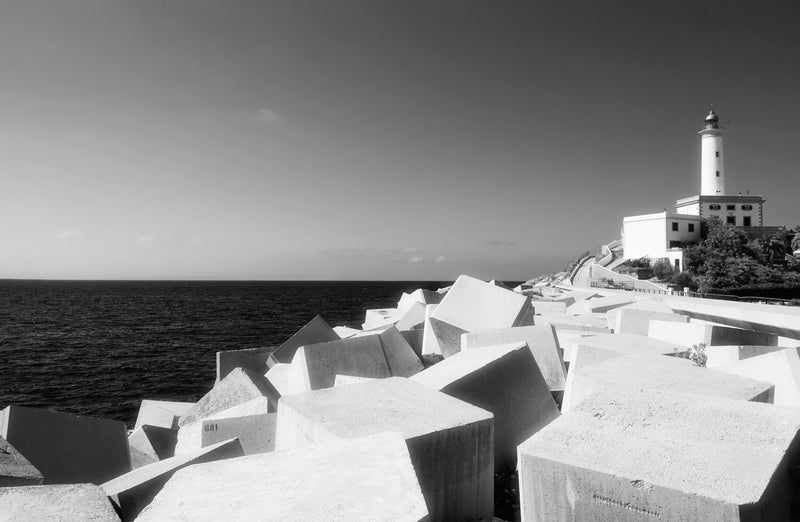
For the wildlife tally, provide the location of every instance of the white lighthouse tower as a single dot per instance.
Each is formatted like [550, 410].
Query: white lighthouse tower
[712, 172]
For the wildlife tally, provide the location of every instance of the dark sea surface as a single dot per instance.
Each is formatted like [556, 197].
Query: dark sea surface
[99, 347]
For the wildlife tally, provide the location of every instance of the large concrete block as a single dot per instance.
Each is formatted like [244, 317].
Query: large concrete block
[600, 304]
[161, 413]
[504, 380]
[315, 366]
[67, 448]
[369, 478]
[237, 387]
[133, 491]
[541, 341]
[376, 317]
[148, 444]
[251, 422]
[691, 334]
[441, 337]
[573, 296]
[781, 368]
[594, 323]
[541, 307]
[403, 319]
[15, 469]
[656, 304]
[472, 304]
[345, 331]
[631, 454]
[254, 359]
[315, 331]
[660, 373]
[278, 376]
[623, 343]
[722, 355]
[414, 338]
[426, 297]
[450, 441]
[61, 503]
[635, 321]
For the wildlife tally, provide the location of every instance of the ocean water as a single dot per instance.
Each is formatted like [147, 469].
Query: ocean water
[99, 347]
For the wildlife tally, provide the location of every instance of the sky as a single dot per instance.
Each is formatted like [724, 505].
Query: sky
[371, 139]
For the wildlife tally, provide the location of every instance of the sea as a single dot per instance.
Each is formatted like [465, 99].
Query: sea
[99, 347]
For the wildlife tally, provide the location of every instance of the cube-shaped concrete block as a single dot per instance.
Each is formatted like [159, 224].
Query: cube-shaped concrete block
[161, 413]
[600, 304]
[315, 366]
[504, 380]
[65, 448]
[426, 297]
[658, 305]
[253, 359]
[133, 491]
[239, 386]
[15, 469]
[56, 503]
[278, 377]
[692, 334]
[623, 343]
[441, 337]
[781, 368]
[631, 454]
[660, 373]
[414, 338]
[450, 441]
[722, 355]
[541, 307]
[346, 380]
[377, 317]
[574, 296]
[400, 357]
[369, 478]
[315, 331]
[345, 331]
[638, 321]
[586, 323]
[541, 341]
[472, 304]
[150, 444]
[245, 421]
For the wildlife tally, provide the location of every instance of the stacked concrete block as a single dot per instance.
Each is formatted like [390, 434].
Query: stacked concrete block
[251, 422]
[630, 454]
[346, 380]
[316, 366]
[254, 359]
[780, 368]
[585, 323]
[633, 321]
[471, 305]
[345, 331]
[278, 377]
[656, 304]
[237, 387]
[376, 317]
[165, 414]
[426, 297]
[722, 355]
[660, 373]
[67, 448]
[600, 304]
[574, 296]
[623, 343]
[402, 318]
[504, 380]
[414, 338]
[148, 444]
[548, 307]
[56, 503]
[315, 331]
[541, 341]
[450, 441]
[369, 478]
[15, 469]
[692, 334]
[133, 491]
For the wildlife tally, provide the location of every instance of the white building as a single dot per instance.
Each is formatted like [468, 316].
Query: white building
[661, 235]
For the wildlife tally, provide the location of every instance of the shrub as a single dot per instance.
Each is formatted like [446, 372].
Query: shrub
[663, 270]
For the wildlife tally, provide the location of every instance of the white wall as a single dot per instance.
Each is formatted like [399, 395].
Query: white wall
[650, 234]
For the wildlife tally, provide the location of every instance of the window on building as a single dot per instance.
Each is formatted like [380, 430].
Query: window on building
[730, 207]
[678, 265]
[714, 206]
[747, 207]
[718, 154]
[731, 220]
[717, 173]
[747, 221]
[674, 227]
[691, 227]
[674, 244]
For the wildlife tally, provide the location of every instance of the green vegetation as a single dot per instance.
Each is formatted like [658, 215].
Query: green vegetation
[696, 354]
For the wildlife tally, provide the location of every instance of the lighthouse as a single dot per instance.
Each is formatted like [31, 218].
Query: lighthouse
[712, 171]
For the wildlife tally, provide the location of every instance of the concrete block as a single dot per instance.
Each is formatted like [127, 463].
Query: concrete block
[15, 469]
[346, 380]
[60, 503]
[649, 305]
[400, 357]
[133, 491]
[230, 421]
[345, 331]
[624, 343]
[504, 380]
[253, 359]
[541, 341]
[239, 386]
[148, 444]
[548, 307]
[426, 297]
[450, 441]
[403, 319]
[600, 304]
[586, 323]
[377, 317]
[441, 337]
[369, 478]
[414, 338]
[722, 355]
[315, 331]
[691, 334]
[781, 368]
[67, 448]
[660, 373]
[472, 304]
[161, 413]
[278, 376]
[638, 321]
[630, 454]
[315, 366]
[574, 296]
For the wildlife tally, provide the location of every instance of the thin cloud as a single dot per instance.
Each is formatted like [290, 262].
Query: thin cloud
[410, 250]
[268, 116]
[145, 238]
[70, 234]
[440, 259]
[416, 259]
[502, 242]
